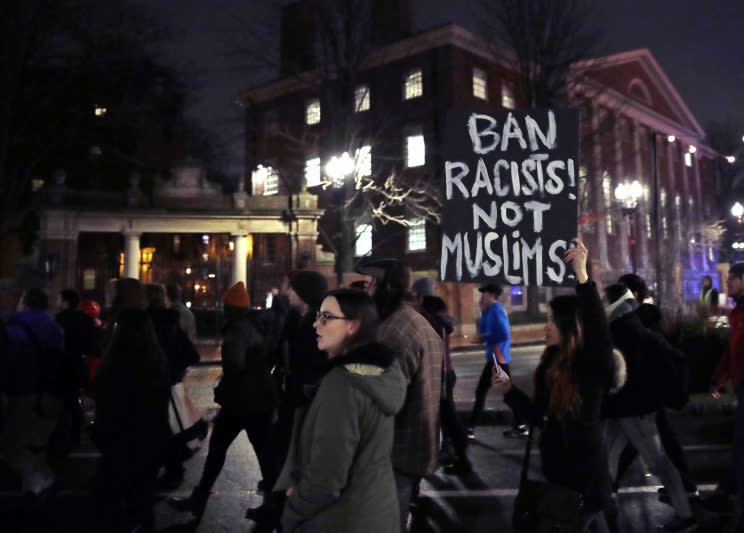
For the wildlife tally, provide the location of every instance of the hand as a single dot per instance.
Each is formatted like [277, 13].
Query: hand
[715, 392]
[576, 257]
[499, 380]
[289, 491]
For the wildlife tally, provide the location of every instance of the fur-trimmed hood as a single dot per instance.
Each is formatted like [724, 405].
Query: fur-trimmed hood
[374, 369]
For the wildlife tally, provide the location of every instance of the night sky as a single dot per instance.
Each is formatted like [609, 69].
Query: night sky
[698, 45]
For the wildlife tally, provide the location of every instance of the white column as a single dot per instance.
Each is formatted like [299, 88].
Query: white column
[240, 253]
[698, 211]
[643, 204]
[619, 178]
[599, 191]
[690, 222]
[132, 255]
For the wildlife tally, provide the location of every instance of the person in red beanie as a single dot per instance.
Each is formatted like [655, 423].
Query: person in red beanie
[247, 396]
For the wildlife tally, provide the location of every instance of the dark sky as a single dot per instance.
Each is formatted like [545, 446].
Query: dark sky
[698, 44]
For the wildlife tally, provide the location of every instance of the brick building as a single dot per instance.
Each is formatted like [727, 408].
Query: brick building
[405, 87]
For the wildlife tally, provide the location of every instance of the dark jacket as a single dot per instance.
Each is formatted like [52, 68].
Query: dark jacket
[339, 462]
[644, 352]
[246, 386]
[179, 350]
[304, 365]
[572, 448]
[80, 332]
[36, 357]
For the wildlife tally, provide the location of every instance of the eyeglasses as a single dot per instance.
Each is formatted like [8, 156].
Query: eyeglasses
[323, 317]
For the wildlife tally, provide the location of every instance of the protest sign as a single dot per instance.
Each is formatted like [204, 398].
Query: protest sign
[510, 196]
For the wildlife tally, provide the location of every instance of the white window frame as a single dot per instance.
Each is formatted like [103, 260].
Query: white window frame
[361, 98]
[416, 235]
[415, 150]
[413, 84]
[265, 181]
[363, 241]
[363, 160]
[507, 96]
[480, 83]
[312, 111]
[312, 172]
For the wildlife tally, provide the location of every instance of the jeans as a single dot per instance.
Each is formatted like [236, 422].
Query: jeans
[227, 426]
[641, 432]
[452, 430]
[407, 486]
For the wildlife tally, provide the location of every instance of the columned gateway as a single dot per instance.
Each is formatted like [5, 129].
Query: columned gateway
[295, 216]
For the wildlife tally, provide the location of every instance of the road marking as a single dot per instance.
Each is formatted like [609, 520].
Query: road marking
[501, 493]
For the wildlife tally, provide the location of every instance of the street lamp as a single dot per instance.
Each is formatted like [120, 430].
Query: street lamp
[737, 210]
[628, 193]
[339, 168]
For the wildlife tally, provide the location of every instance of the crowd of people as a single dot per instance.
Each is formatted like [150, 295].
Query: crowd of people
[346, 396]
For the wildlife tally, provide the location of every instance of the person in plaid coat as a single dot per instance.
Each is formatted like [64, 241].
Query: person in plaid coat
[420, 351]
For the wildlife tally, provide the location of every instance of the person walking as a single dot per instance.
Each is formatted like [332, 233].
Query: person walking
[35, 393]
[631, 412]
[420, 351]
[708, 300]
[571, 382]
[338, 475]
[730, 369]
[186, 318]
[246, 396]
[495, 333]
[131, 390]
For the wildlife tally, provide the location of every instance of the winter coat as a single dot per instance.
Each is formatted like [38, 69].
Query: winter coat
[179, 350]
[30, 371]
[80, 332]
[304, 365]
[572, 448]
[420, 351]
[645, 352]
[186, 320]
[339, 461]
[246, 385]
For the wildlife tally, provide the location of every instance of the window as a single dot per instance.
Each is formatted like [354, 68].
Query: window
[607, 196]
[363, 160]
[649, 233]
[507, 95]
[517, 298]
[89, 279]
[363, 240]
[688, 159]
[417, 235]
[312, 172]
[265, 181]
[415, 150]
[312, 111]
[361, 98]
[414, 85]
[480, 83]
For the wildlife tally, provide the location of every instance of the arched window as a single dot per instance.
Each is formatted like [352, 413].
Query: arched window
[638, 90]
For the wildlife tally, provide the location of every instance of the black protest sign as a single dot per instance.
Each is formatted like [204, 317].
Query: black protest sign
[510, 188]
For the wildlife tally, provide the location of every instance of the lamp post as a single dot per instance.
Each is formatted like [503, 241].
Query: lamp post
[339, 168]
[628, 193]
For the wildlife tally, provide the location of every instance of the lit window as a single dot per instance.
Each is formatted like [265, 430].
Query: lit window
[507, 95]
[649, 233]
[312, 172]
[312, 111]
[688, 159]
[414, 85]
[265, 181]
[711, 257]
[607, 195]
[363, 159]
[480, 83]
[361, 98]
[415, 150]
[417, 235]
[363, 240]
[664, 227]
[89, 279]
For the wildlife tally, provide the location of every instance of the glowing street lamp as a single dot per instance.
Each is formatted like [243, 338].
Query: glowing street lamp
[339, 168]
[628, 193]
[731, 158]
[737, 210]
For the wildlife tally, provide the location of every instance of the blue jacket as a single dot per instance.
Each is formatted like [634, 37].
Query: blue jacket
[495, 330]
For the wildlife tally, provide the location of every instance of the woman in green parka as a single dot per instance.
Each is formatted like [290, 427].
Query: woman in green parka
[338, 475]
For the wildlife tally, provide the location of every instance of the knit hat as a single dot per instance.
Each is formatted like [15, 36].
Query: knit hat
[423, 287]
[309, 285]
[236, 296]
[129, 294]
[390, 273]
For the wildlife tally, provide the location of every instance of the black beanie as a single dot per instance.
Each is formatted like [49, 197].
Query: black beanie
[310, 286]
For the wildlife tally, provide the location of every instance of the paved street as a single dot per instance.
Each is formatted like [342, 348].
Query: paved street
[478, 502]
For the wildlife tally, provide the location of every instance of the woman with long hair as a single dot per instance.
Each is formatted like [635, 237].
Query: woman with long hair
[571, 381]
[338, 475]
[131, 431]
